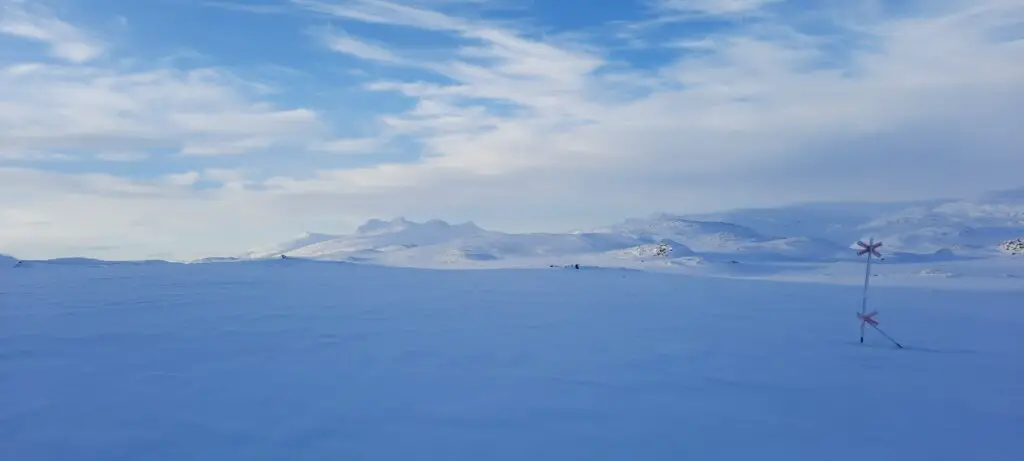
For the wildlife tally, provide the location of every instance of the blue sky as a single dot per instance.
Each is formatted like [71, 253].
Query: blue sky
[182, 128]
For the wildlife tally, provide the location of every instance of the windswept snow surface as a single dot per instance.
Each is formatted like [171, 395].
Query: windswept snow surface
[302, 360]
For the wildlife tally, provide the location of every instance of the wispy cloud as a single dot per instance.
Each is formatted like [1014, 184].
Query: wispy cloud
[201, 111]
[29, 155]
[350, 146]
[345, 44]
[510, 123]
[385, 12]
[123, 156]
[255, 8]
[712, 7]
[65, 41]
[233, 146]
[733, 102]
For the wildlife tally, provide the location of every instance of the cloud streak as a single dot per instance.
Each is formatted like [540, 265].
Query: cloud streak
[713, 7]
[64, 40]
[200, 111]
[360, 49]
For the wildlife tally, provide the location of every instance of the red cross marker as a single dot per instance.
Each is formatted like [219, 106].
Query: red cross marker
[869, 248]
[868, 318]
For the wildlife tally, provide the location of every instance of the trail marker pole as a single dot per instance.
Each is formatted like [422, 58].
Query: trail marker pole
[870, 249]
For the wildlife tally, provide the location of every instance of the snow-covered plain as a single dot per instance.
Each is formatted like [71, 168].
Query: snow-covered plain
[301, 360]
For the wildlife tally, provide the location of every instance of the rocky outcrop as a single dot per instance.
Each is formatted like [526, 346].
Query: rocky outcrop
[1013, 247]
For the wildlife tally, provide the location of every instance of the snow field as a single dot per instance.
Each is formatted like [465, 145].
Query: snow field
[325, 361]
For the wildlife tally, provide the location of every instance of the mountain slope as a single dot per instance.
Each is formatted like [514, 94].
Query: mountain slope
[701, 236]
[837, 222]
[304, 240]
[933, 230]
[387, 236]
[400, 240]
[966, 225]
[437, 243]
[722, 238]
[974, 224]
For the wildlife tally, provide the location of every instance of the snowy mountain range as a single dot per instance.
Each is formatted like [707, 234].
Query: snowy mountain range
[918, 231]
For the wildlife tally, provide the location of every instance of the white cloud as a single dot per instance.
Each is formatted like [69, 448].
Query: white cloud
[714, 7]
[50, 214]
[248, 8]
[350, 146]
[231, 178]
[11, 153]
[385, 12]
[226, 147]
[360, 49]
[528, 131]
[123, 156]
[182, 179]
[201, 111]
[65, 41]
[749, 103]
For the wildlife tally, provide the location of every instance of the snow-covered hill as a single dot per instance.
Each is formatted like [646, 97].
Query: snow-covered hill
[926, 231]
[698, 235]
[837, 222]
[439, 244]
[301, 241]
[403, 242]
[967, 226]
[723, 238]
[378, 236]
